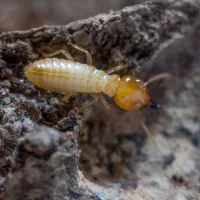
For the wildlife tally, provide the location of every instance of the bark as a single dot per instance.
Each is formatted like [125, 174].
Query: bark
[126, 36]
[45, 163]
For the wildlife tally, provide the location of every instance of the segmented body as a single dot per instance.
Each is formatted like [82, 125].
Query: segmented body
[61, 75]
[67, 76]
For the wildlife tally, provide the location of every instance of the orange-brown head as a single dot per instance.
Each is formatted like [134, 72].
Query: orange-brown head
[131, 94]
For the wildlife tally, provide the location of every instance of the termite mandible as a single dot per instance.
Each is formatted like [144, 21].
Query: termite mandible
[68, 76]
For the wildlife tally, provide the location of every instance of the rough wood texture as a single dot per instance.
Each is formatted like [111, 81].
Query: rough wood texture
[132, 35]
[45, 165]
[128, 36]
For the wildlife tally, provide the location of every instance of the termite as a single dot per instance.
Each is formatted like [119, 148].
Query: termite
[68, 76]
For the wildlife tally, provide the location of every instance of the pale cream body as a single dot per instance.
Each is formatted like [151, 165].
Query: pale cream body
[61, 75]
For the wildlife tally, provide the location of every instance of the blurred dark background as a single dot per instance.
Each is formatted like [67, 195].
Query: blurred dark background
[35, 13]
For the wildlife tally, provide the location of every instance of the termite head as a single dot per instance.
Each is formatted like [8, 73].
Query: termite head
[131, 94]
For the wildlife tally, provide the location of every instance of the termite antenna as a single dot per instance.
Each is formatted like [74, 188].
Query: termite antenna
[146, 130]
[156, 78]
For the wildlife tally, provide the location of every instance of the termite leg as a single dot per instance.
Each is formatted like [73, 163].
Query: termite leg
[88, 55]
[95, 98]
[65, 53]
[104, 102]
[67, 96]
[116, 69]
[156, 78]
